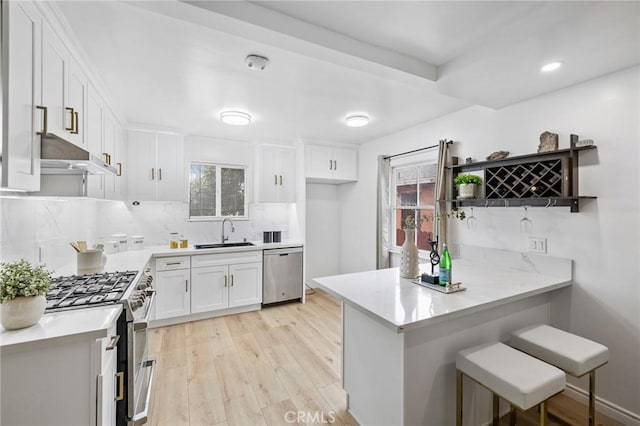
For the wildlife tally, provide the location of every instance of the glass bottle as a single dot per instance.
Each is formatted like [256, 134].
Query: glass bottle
[445, 267]
[174, 240]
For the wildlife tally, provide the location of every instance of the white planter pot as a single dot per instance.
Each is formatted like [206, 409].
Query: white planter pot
[409, 259]
[22, 312]
[467, 190]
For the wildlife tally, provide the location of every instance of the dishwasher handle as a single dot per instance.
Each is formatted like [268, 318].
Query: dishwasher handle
[282, 251]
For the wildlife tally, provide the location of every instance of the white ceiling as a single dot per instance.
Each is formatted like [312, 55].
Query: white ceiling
[177, 65]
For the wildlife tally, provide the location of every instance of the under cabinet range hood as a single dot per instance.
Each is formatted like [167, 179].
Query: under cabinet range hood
[61, 157]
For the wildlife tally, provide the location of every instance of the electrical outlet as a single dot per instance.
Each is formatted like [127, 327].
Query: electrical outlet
[538, 245]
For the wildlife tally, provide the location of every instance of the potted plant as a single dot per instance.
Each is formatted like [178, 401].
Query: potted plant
[467, 185]
[22, 290]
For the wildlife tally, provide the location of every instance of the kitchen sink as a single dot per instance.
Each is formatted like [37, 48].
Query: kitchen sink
[222, 245]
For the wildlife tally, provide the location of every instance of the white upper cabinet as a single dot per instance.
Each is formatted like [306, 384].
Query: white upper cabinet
[76, 104]
[331, 164]
[64, 89]
[277, 174]
[21, 88]
[55, 67]
[95, 141]
[155, 170]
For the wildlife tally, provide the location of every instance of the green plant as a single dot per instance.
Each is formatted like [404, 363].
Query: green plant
[410, 223]
[20, 278]
[467, 179]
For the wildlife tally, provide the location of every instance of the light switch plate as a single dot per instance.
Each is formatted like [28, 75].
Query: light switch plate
[538, 245]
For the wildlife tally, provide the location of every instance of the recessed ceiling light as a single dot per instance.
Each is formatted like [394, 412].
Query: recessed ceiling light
[551, 66]
[357, 120]
[236, 118]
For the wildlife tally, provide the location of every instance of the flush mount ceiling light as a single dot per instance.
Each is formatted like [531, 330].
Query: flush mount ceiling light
[551, 66]
[235, 118]
[358, 120]
[256, 62]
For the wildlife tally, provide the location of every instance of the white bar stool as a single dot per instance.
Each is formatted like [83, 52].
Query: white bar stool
[522, 380]
[573, 354]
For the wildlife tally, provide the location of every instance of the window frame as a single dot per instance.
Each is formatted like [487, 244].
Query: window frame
[394, 207]
[218, 193]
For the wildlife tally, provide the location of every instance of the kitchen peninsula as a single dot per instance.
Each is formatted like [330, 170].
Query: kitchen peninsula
[400, 339]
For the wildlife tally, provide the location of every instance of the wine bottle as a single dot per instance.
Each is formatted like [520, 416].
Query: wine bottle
[445, 267]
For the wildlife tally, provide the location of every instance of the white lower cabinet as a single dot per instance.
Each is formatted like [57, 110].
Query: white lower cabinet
[172, 293]
[71, 380]
[214, 282]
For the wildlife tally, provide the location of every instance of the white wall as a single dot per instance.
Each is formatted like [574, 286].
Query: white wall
[322, 229]
[604, 302]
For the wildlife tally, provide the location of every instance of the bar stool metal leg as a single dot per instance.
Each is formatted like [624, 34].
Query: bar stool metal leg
[592, 398]
[543, 413]
[458, 398]
[512, 415]
[496, 410]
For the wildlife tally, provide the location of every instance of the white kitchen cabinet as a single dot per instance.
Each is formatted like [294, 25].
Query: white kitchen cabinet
[113, 148]
[64, 89]
[277, 174]
[77, 93]
[69, 380]
[331, 164]
[95, 140]
[209, 289]
[173, 297]
[158, 170]
[217, 282]
[55, 67]
[21, 117]
[245, 284]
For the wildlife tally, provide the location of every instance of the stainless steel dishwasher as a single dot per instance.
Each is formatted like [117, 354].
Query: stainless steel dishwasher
[282, 275]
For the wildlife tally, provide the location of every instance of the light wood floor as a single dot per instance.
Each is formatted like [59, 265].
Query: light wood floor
[258, 367]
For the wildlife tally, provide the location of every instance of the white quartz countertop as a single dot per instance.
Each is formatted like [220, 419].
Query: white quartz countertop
[92, 323]
[402, 305]
[61, 327]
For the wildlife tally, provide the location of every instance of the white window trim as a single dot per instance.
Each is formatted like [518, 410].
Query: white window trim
[406, 162]
[218, 206]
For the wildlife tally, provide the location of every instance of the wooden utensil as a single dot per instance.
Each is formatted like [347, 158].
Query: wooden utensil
[82, 245]
[75, 246]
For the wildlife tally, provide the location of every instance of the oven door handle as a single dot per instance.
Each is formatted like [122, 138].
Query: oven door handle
[141, 417]
[141, 325]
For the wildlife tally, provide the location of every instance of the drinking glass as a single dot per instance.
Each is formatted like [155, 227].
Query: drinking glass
[472, 221]
[525, 223]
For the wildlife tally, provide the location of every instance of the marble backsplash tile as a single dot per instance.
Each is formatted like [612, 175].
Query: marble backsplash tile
[39, 228]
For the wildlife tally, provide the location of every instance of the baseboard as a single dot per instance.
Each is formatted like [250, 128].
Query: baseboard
[603, 406]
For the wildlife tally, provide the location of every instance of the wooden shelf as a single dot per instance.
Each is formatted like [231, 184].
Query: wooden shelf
[546, 179]
[573, 202]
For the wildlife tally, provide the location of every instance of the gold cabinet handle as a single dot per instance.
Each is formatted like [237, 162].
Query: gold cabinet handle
[276, 179]
[76, 128]
[186, 285]
[120, 377]
[335, 164]
[231, 280]
[153, 173]
[280, 180]
[159, 174]
[330, 164]
[225, 280]
[44, 119]
[70, 129]
[114, 342]
[107, 157]
[119, 169]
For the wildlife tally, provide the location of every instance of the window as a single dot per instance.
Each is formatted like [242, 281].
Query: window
[217, 191]
[413, 189]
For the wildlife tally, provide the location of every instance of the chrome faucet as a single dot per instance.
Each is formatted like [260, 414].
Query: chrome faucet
[223, 239]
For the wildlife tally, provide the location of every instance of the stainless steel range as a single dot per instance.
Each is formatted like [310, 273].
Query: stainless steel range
[135, 292]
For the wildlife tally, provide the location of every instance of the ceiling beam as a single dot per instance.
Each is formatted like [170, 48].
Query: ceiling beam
[254, 22]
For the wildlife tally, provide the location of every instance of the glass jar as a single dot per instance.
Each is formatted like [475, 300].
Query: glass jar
[184, 243]
[174, 240]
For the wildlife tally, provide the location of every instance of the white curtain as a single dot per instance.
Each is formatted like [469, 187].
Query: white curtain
[383, 224]
[441, 192]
